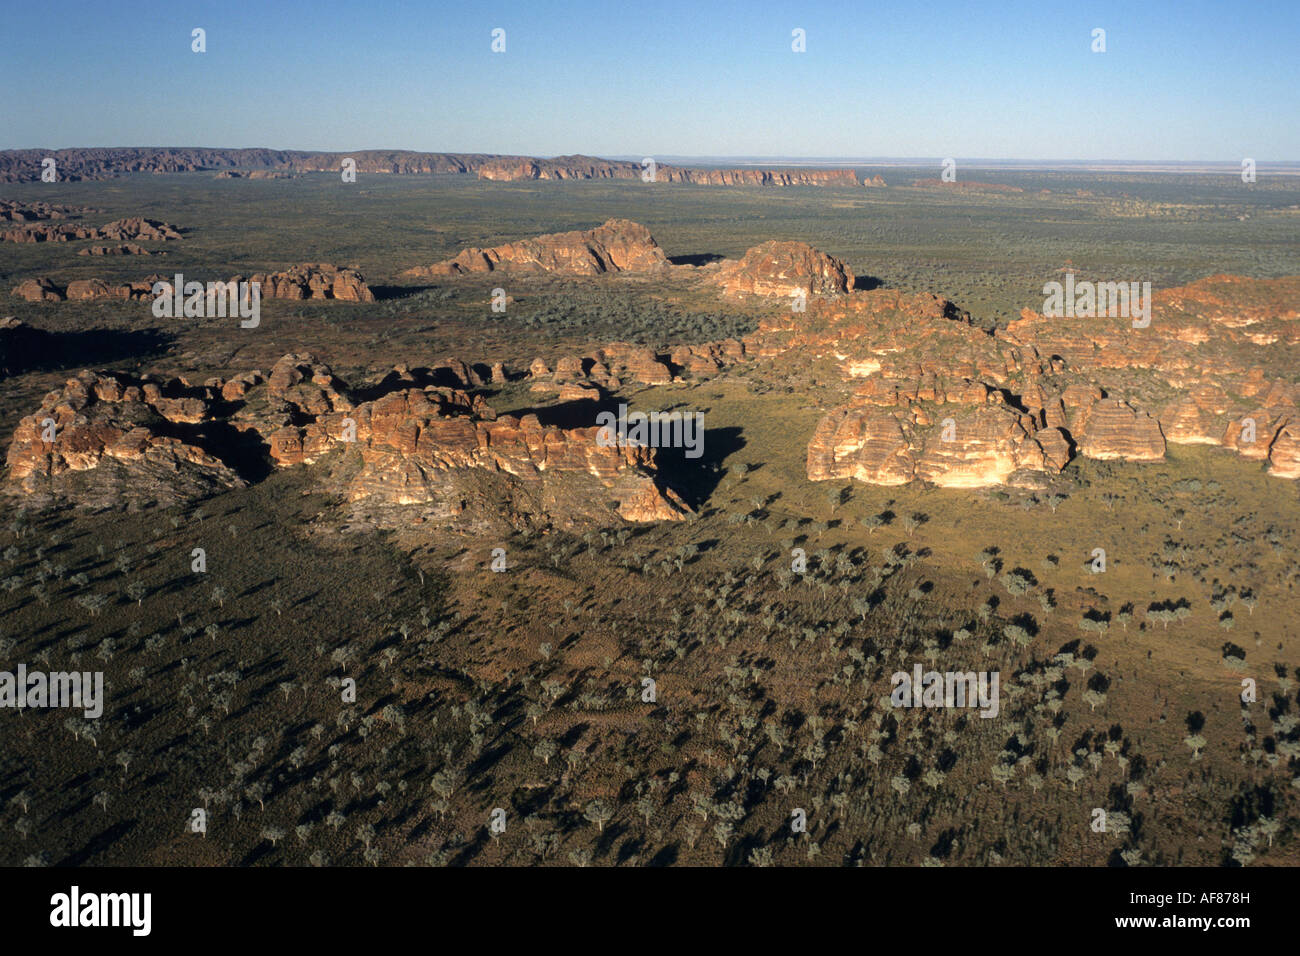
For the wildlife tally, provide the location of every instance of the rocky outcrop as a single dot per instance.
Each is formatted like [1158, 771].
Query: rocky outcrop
[13, 210]
[103, 441]
[1284, 453]
[412, 455]
[121, 229]
[417, 447]
[313, 281]
[617, 246]
[783, 269]
[609, 368]
[255, 174]
[310, 281]
[138, 227]
[1218, 371]
[970, 447]
[40, 289]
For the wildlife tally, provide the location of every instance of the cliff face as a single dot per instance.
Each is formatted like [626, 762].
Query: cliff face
[587, 167]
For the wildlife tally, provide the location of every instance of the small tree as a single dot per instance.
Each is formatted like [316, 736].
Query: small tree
[599, 813]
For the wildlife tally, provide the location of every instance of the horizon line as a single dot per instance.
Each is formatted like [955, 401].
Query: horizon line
[741, 158]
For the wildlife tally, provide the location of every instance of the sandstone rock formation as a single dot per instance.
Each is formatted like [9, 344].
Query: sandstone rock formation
[1115, 429]
[310, 281]
[414, 454]
[1216, 373]
[313, 281]
[617, 246]
[783, 269]
[121, 229]
[113, 443]
[971, 447]
[40, 289]
[13, 210]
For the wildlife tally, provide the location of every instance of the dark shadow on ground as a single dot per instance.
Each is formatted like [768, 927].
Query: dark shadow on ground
[697, 259]
[25, 348]
[386, 292]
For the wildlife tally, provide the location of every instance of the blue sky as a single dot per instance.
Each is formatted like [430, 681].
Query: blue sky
[1185, 80]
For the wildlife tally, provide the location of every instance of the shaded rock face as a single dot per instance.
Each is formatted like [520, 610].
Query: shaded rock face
[114, 443]
[619, 245]
[310, 281]
[784, 269]
[414, 454]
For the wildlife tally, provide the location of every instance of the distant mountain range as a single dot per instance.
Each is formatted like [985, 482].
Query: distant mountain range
[72, 165]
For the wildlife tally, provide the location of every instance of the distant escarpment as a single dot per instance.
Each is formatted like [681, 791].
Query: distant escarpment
[75, 165]
[588, 167]
[617, 246]
[419, 452]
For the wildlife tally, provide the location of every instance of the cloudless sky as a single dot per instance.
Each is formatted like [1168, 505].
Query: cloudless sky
[1181, 79]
